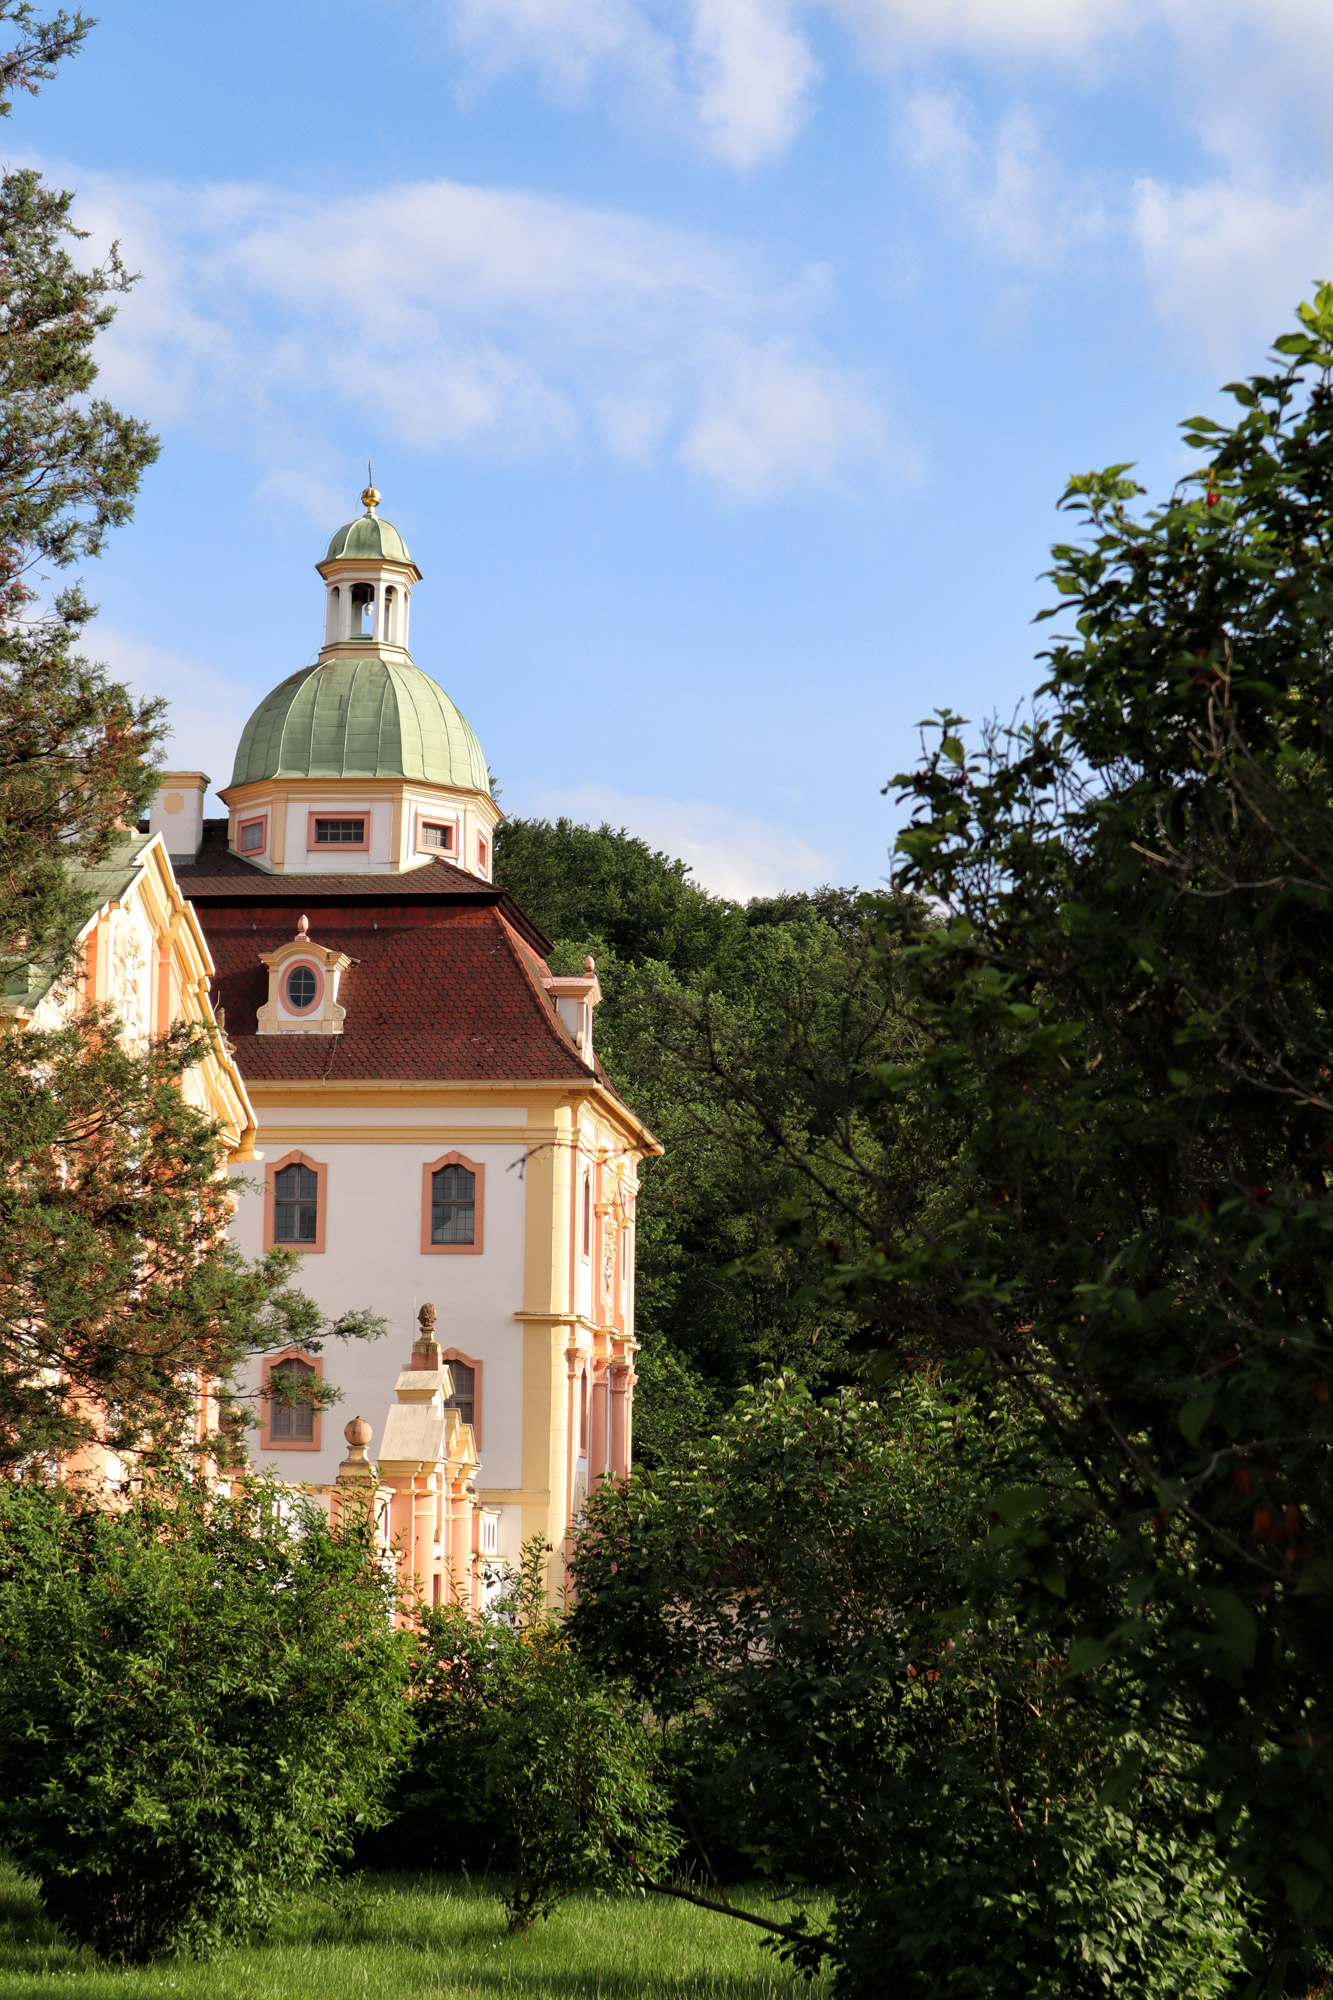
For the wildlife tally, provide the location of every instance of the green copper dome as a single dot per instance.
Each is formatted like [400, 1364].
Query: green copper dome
[367, 535]
[360, 719]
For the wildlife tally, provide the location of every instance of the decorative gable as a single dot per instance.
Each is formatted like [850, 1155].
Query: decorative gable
[303, 980]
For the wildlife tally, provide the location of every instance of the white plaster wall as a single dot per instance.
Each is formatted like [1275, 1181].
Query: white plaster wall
[373, 1259]
[334, 860]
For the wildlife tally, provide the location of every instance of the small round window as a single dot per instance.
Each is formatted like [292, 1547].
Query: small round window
[300, 987]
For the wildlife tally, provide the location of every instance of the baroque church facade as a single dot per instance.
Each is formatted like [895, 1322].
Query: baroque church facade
[431, 1131]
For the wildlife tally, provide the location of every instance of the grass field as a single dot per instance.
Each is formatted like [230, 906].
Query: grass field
[392, 1937]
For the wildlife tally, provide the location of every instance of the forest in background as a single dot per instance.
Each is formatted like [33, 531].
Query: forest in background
[732, 1030]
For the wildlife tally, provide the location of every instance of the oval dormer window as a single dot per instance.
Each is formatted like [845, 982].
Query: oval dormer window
[301, 988]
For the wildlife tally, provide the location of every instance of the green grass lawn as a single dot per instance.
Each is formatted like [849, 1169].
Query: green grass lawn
[391, 1937]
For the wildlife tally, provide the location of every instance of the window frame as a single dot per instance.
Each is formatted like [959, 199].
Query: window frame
[252, 819]
[477, 1367]
[267, 1442]
[271, 1171]
[362, 846]
[449, 826]
[285, 1001]
[473, 1249]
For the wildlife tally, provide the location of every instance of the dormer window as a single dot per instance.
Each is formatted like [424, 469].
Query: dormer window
[435, 834]
[303, 988]
[252, 835]
[482, 854]
[340, 833]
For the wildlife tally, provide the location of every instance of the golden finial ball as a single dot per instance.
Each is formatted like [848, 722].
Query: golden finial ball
[370, 498]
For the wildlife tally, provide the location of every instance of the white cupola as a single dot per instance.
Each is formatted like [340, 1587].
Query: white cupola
[368, 578]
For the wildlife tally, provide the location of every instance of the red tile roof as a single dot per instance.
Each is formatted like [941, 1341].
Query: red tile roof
[445, 981]
[442, 992]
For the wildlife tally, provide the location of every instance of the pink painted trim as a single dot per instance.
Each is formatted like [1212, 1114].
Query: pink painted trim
[255, 819]
[424, 847]
[318, 1168]
[268, 1442]
[314, 846]
[473, 1249]
[300, 1013]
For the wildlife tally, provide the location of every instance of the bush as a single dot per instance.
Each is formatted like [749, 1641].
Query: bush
[520, 1740]
[199, 1702]
[813, 1608]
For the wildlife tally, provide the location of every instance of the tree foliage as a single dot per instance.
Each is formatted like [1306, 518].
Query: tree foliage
[200, 1701]
[521, 1744]
[77, 751]
[722, 1024]
[118, 1289]
[1121, 1006]
[847, 1698]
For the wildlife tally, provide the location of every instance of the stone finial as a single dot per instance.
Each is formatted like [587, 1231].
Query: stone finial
[590, 964]
[303, 928]
[426, 1348]
[356, 1467]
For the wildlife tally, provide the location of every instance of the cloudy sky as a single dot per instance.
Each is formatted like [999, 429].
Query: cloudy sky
[720, 360]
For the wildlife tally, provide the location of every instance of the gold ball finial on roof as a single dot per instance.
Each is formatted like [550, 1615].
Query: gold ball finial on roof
[370, 499]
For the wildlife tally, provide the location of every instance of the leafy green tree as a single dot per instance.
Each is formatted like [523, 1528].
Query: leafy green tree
[1122, 1009]
[721, 1024]
[200, 1701]
[520, 1744]
[803, 1606]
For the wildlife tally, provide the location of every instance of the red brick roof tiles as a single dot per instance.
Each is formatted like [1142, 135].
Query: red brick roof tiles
[431, 993]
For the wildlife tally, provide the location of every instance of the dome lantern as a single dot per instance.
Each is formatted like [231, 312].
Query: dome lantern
[368, 578]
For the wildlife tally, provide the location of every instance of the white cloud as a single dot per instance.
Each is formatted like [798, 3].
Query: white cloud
[754, 72]
[453, 316]
[1226, 263]
[768, 416]
[1010, 193]
[566, 41]
[207, 709]
[735, 73]
[898, 30]
[730, 853]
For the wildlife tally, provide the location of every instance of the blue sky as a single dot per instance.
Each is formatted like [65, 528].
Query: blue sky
[721, 360]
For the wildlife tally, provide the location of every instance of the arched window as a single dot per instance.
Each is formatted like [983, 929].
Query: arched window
[453, 1205]
[464, 1398]
[363, 611]
[293, 1418]
[295, 1205]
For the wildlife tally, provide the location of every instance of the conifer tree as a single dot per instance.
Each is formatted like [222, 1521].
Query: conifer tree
[118, 1291]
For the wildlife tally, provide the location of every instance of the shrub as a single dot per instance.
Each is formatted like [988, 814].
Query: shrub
[519, 1738]
[199, 1702]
